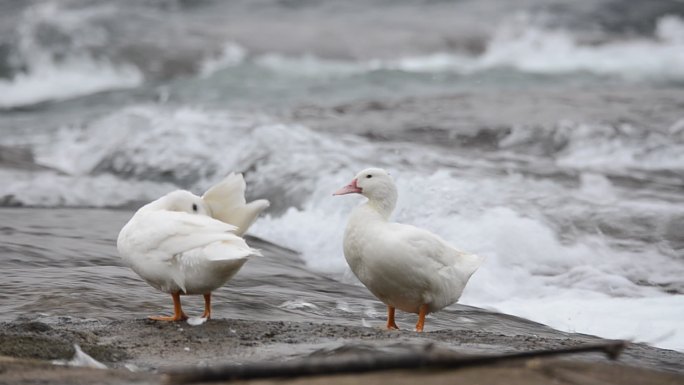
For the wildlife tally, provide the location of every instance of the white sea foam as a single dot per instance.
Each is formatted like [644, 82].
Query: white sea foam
[529, 48]
[50, 189]
[526, 47]
[521, 224]
[297, 304]
[74, 77]
[619, 148]
[57, 73]
[149, 149]
[520, 44]
[653, 320]
[588, 284]
[343, 306]
[231, 55]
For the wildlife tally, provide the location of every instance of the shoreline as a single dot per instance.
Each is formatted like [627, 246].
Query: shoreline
[275, 310]
[141, 351]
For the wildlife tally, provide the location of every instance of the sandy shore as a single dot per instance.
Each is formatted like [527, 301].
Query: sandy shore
[101, 309]
[141, 351]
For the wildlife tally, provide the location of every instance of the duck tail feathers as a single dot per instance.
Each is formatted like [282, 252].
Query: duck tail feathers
[469, 263]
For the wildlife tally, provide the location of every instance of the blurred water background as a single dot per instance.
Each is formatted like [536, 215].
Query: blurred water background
[545, 135]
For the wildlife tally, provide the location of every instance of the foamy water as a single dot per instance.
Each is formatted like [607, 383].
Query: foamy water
[49, 81]
[579, 220]
[547, 257]
[62, 72]
[586, 285]
[520, 45]
[540, 50]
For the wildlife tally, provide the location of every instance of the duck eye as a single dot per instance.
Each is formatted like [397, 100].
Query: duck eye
[194, 207]
[369, 176]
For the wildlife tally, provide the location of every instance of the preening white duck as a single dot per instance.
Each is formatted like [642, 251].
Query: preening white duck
[406, 267]
[185, 244]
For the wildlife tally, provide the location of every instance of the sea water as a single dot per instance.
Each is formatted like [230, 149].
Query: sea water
[579, 217]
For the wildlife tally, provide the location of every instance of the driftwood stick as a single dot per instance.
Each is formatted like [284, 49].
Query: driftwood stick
[361, 363]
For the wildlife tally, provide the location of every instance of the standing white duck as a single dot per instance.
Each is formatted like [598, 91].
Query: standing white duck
[407, 268]
[185, 244]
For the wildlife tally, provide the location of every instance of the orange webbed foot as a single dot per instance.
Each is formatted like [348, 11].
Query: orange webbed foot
[178, 314]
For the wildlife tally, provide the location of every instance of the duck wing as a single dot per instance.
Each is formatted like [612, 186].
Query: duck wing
[227, 203]
[418, 243]
[169, 234]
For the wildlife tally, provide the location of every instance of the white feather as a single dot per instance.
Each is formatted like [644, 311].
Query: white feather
[227, 203]
[181, 250]
[404, 266]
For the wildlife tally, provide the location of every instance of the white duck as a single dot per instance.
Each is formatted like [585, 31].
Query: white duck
[185, 244]
[406, 267]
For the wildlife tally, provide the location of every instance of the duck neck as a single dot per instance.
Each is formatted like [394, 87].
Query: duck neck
[159, 204]
[384, 205]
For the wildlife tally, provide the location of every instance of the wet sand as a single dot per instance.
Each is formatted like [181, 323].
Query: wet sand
[530, 372]
[275, 310]
[151, 349]
[139, 350]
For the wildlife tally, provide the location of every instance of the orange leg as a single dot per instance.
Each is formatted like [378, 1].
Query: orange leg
[178, 314]
[207, 306]
[421, 317]
[390, 319]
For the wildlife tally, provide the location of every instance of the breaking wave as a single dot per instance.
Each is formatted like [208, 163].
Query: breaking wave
[570, 247]
[60, 67]
[519, 45]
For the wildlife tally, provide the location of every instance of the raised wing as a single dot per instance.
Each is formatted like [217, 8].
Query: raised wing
[226, 201]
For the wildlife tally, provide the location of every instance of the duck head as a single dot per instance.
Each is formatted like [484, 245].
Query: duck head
[180, 200]
[375, 184]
